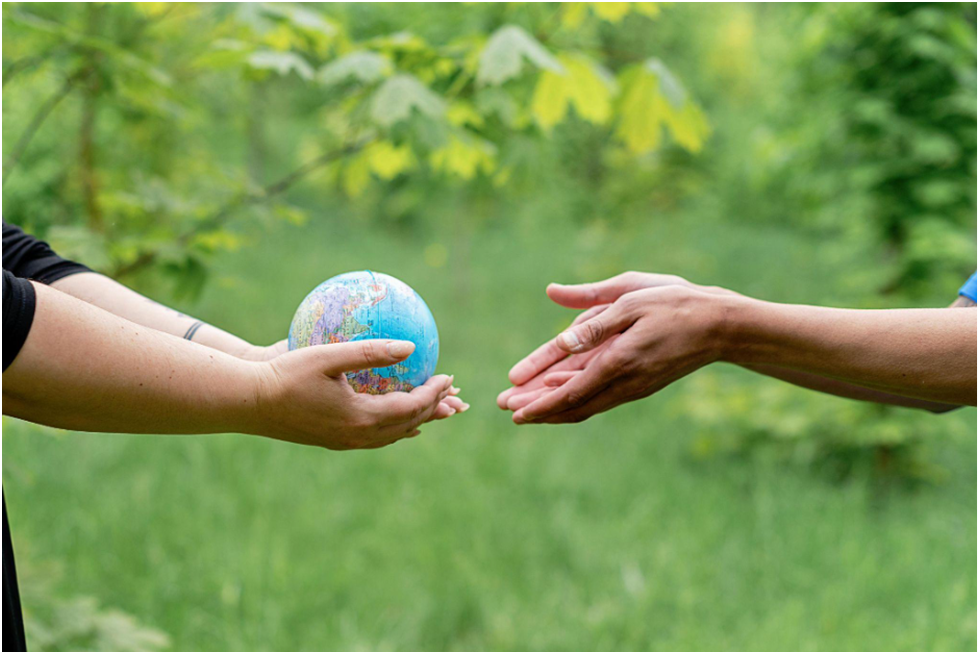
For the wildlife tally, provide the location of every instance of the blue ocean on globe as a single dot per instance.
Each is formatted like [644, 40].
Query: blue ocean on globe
[361, 305]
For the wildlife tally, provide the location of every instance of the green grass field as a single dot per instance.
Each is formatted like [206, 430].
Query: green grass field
[480, 535]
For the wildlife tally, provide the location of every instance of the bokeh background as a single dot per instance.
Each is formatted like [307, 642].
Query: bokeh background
[227, 158]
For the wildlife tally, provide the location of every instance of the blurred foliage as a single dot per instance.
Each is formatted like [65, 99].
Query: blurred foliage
[65, 624]
[144, 135]
[895, 87]
[841, 439]
[807, 153]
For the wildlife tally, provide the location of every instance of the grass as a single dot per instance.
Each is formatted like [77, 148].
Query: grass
[480, 535]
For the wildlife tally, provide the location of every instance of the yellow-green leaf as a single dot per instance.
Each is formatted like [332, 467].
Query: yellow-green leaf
[388, 160]
[464, 157]
[356, 175]
[611, 11]
[653, 100]
[463, 113]
[584, 85]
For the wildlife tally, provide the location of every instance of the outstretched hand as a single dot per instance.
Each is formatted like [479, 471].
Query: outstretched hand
[306, 398]
[639, 333]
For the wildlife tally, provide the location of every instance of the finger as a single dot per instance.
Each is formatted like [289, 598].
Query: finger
[520, 401]
[546, 355]
[593, 332]
[437, 411]
[582, 296]
[540, 359]
[443, 411]
[590, 313]
[574, 362]
[360, 355]
[604, 401]
[396, 408]
[559, 378]
[456, 403]
[503, 399]
[597, 376]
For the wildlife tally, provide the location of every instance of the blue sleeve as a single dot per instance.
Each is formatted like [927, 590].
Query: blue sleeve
[969, 288]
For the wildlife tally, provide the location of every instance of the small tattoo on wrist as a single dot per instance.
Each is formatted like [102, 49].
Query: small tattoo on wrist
[189, 334]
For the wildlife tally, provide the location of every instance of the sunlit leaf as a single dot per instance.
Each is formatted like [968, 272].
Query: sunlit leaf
[387, 160]
[463, 113]
[611, 11]
[302, 18]
[583, 85]
[573, 14]
[282, 63]
[651, 9]
[399, 95]
[464, 157]
[356, 175]
[646, 108]
[505, 53]
[363, 65]
[669, 85]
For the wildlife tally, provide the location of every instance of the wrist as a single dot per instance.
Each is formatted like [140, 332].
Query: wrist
[736, 326]
[245, 398]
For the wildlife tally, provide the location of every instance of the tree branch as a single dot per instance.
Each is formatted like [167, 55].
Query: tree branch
[246, 199]
[40, 116]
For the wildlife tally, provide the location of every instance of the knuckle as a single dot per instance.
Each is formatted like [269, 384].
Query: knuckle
[368, 351]
[594, 330]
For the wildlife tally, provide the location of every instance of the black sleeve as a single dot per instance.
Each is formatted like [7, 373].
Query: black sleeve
[18, 314]
[30, 258]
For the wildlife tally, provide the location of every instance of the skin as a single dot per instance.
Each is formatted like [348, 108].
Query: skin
[641, 332]
[117, 376]
[108, 294]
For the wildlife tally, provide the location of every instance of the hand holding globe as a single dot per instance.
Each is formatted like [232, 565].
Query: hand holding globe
[363, 305]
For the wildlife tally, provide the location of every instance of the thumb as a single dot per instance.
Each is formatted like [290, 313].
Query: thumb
[360, 355]
[591, 333]
[583, 296]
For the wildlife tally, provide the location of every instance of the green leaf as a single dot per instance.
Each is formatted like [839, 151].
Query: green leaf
[464, 156]
[364, 66]
[395, 99]
[282, 63]
[645, 109]
[505, 52]
[302, 18]
[584, 85]
[387, 160]
[610, 11]
[356, 174]
[669, 85]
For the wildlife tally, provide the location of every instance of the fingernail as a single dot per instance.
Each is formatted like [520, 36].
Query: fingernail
[400, 348]
[570, 340]
[465, 407]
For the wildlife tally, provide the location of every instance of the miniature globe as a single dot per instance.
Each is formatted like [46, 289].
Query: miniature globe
[362, 305]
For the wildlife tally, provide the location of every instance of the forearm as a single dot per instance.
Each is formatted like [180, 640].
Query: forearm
[846, 389]
[86, 369]
[928, 354]
[111, 296]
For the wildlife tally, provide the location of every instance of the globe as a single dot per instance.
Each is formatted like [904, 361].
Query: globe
[362, 305]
